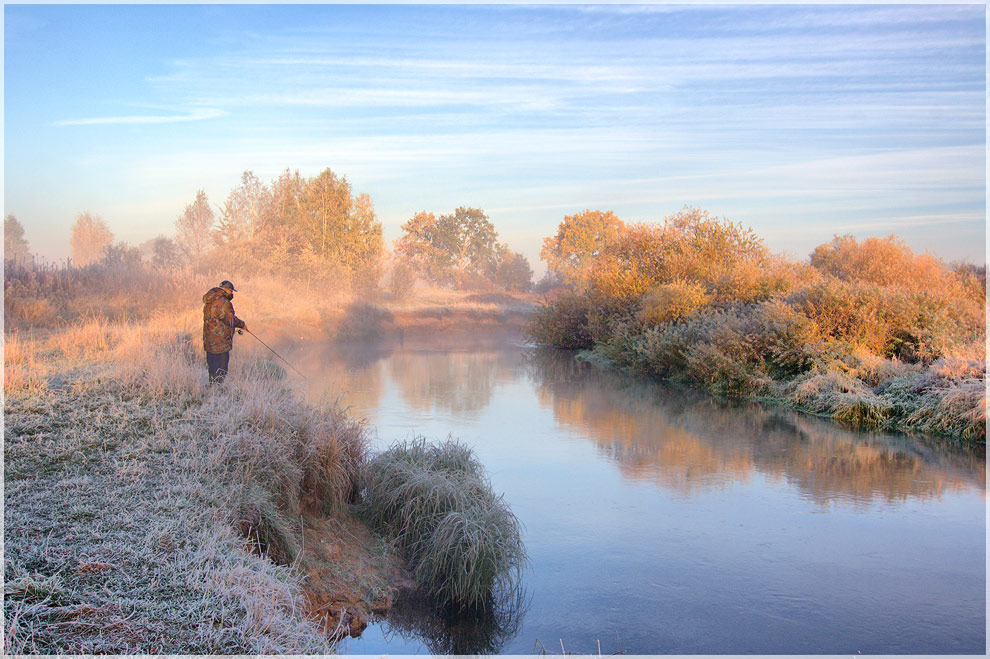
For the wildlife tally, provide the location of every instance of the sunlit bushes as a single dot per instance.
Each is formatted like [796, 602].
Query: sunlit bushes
[702, 300]
[690, 245]
[669, 302]
[735, 351]
[562, 322]
[462, 541]
[915, 326]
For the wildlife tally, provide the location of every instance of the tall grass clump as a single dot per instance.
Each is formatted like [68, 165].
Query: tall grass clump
[463, 543]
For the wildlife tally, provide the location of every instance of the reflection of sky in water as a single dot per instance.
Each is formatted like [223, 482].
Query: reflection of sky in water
[683, 524]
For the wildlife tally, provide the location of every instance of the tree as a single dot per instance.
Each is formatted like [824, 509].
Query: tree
[286, 203]
[121, 254]
[192, 228]
[514, 272]
[165, 254]
[418, 248]
[15, 247]
[325, 205]
[452, 250]
[363, 248]
[579, 241]
[90, 239]
[246, 210]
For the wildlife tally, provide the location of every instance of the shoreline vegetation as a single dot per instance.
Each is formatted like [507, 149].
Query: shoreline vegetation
[148, 513]
[867, 333]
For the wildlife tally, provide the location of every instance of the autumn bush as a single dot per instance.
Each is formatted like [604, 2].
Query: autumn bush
[852, 334]
[562, 322]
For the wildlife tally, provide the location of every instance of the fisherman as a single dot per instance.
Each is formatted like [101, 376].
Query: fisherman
[219, 322]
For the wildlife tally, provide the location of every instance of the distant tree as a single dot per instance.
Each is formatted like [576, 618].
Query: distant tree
[15, 247]
[325, 205]
[121, 254]
[454, 249]
[363, 247]
[514, 272]
[247, 209]
[90, 239]
[192, 228]
[263, 224]
[420, 248]
[165, 254]
[342, 229]
[579, 241]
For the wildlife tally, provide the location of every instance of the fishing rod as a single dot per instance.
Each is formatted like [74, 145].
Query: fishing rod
[275, 353]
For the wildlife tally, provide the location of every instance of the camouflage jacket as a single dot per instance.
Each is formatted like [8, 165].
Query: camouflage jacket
[219, 320]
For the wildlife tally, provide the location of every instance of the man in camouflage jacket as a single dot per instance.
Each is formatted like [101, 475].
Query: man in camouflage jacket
[219, 322]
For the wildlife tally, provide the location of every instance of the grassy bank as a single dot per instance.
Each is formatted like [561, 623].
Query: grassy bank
[867, 333]
[147, 513]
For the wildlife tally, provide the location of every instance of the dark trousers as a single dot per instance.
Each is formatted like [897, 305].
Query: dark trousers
[217, 363]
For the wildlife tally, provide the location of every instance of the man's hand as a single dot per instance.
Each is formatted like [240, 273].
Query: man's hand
[241, 331]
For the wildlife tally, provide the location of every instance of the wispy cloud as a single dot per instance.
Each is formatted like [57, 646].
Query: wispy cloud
[195, 115]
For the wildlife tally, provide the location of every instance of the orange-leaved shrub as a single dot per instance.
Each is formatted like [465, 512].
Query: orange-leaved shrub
[846, 335]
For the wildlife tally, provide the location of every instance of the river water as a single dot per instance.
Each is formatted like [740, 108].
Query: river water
[659, 520]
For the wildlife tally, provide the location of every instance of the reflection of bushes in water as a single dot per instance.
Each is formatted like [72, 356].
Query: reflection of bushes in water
[450, 631]
[463, 543]
[458, 382]
[686, 439]
[358, 355]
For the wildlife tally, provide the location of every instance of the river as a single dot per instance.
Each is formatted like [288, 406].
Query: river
[659, 520]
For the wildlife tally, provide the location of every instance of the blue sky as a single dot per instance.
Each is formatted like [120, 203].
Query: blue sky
[800, 121]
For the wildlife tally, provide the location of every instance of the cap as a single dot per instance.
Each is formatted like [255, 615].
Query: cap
[226, 284]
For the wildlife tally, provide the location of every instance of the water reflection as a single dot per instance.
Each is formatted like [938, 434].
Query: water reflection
[685, 440]
[625, 556]
[677, 437]
[452, 374]
[453, 632]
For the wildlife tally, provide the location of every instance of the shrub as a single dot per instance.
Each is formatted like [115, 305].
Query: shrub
[690, 245]
[561, 322]
[734, 351]
[671, 301]
[848, 335]
[401, 280]
[840, 396]
[463, 543]
[883, 262]
[891, 322]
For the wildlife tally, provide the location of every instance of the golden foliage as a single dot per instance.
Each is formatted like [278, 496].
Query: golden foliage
[578, 243]
[672, 301]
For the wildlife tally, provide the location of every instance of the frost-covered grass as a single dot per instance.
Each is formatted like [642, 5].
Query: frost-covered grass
[147, 513]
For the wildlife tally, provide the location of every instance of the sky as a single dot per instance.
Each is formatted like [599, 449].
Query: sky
[800, 121]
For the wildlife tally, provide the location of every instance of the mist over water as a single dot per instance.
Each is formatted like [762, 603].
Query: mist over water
[660, 520]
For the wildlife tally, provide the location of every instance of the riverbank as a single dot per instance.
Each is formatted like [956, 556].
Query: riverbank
[198, 520]
[147, 513]
[867, 333]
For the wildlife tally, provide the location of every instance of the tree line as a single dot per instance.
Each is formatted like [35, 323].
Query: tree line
[295, 227]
